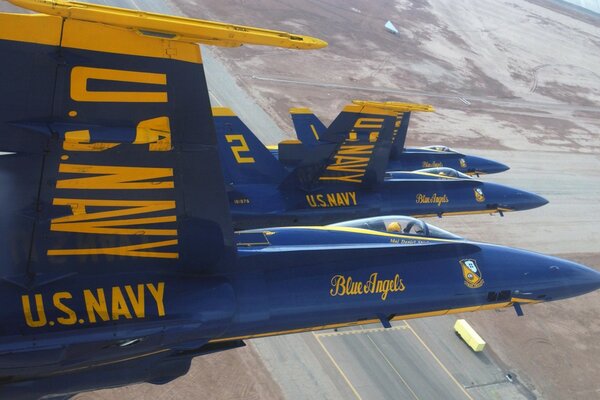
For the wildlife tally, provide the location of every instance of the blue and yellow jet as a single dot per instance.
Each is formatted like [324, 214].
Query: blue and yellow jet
[119, 263]
[347, 178]
[311, 131]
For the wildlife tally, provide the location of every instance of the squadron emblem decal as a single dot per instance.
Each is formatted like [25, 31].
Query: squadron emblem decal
[463, 163]
[471, 273]
[479, 196]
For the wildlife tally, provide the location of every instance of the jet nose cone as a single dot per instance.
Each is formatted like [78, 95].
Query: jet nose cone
[506, 197]
[531, 200]
[480, 165]
[575, 279]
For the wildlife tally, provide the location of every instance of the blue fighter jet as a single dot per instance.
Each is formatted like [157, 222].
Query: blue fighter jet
[351, 182]
[119, 263]
[310, 132]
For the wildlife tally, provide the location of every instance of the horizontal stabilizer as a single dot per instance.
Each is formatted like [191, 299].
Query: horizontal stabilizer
[170, 27]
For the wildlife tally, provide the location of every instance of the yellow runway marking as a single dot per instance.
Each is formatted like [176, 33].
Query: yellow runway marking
[392, 366]
[438, 361]
[338, 367]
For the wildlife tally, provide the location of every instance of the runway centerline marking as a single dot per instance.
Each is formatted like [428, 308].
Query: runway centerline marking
[338, 367]
[392, 366]
[438, 361]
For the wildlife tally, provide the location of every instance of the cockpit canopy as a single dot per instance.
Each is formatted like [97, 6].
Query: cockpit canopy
[443, 149]
[444, 171]
[398, 224]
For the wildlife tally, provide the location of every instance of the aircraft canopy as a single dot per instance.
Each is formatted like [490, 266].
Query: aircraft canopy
[398, 224]
[443, 149]
[443, 171]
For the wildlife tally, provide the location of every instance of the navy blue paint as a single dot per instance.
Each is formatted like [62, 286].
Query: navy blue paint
[401, 159]
[261, 195]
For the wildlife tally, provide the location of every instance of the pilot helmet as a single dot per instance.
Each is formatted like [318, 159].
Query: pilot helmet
[394, 227]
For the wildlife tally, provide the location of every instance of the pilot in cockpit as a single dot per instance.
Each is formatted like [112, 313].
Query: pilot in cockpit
[394, 227]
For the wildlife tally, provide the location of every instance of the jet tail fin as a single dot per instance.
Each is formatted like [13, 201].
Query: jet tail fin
[360, 138]
[115, 164]
[309, 128]
[245, 159]
[399, 139]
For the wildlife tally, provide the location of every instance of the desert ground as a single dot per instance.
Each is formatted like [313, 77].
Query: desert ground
[530, 75]
[515, 81]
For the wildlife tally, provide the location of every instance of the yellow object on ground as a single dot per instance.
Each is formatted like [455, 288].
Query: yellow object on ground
[468, 334]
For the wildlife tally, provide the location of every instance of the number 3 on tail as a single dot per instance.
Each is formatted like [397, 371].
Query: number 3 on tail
[237, 149]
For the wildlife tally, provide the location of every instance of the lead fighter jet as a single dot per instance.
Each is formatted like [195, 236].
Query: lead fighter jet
[118, 261]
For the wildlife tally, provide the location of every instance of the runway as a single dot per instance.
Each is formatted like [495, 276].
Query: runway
[420, 359]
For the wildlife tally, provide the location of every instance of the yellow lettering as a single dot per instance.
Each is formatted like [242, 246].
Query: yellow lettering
[95, 306]
[90, 224]
[314, 131]
[357, 178]
[349, 164]
[356, 149]
[353, 195]
[71, 318]
[338, 288]
[80, 141]
[39, 307]
[119, 305]
[112, 177]
[321, 200]
[311, 201]
[137, 302]
[331, 199]
[242, 147]
[123, 251]
[155, 132]
[158, 294]
[80, 77]
[368, 123]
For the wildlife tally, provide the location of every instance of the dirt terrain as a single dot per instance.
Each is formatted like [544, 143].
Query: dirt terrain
[516, 81]
[235, 374]
[531, 74]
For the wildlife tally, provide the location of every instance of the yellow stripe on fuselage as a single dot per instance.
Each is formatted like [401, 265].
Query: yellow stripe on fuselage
[369, 232]
[369, 321]
[488, 211]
